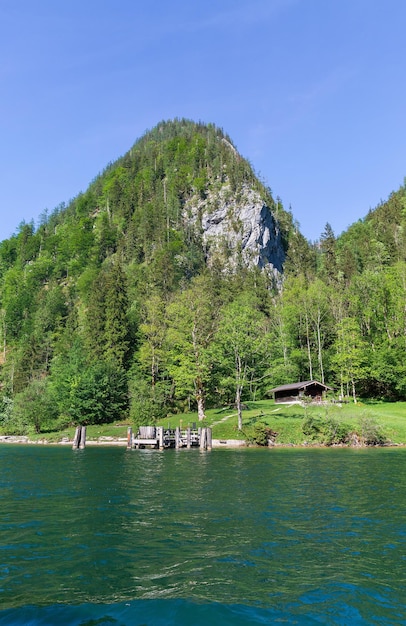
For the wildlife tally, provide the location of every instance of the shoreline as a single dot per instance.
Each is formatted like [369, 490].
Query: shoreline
[104, 441]
[216, 443]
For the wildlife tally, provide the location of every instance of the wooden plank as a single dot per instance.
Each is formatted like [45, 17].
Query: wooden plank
[145, 442]
[147, 432]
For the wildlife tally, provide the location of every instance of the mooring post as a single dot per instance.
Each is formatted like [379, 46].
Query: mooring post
[76, 439]
[208, 439]
[202, 443]
[129, 437]
[82, 438]
[160, 436]
[188, 437]
[177, 437]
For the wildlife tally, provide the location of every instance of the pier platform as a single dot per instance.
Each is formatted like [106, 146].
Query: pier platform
[158, 437]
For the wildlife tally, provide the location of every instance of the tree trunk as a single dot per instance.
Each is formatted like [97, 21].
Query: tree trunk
[201, 401]
[238, 388]
[200, 409]
[238, 405]
[4, 335]
[319, 349]
[353, 391]
[309, 354]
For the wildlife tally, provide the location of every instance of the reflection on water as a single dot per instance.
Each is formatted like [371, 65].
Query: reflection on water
[300, 532]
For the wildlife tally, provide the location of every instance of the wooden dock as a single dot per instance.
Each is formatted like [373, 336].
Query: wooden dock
[160, 438]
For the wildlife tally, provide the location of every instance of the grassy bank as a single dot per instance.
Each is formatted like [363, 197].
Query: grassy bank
[286, 420]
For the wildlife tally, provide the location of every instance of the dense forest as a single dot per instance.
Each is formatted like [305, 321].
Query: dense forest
[110, 310]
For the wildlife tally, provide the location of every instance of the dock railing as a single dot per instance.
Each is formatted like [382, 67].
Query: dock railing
[158, 437]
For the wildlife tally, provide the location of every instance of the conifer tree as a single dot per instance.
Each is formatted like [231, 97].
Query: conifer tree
[116, 330]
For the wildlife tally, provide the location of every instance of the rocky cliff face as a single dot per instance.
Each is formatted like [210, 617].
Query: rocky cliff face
[238, 228]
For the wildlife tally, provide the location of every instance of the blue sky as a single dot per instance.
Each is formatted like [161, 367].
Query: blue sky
[312, 92]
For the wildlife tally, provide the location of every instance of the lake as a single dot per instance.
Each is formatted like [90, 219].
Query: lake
[109, 536]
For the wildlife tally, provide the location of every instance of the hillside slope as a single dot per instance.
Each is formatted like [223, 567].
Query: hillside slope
[176, 282]
[80, 293]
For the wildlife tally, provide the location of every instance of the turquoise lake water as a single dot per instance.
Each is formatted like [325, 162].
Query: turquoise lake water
[106, 536]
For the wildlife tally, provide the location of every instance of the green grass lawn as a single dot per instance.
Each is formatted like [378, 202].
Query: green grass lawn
[115, 429]
[286, 420]
[392, 416]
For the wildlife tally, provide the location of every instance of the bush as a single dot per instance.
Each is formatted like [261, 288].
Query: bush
[326, 430]
[259, 434]
[6, 415]
[371, 432]
[32, 409]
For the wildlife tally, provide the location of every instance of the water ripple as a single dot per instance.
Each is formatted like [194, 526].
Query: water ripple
[296, 536]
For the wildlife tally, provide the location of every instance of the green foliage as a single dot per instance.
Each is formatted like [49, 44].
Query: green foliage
[33, 409]
[147, 404]
[191, 325]
[350, 359]
[7, 425]
[371, 432]
[241, 345]
[107, 327]
[86, 391]
[97, 395]
[328, 430]
[259, 434]
[333, 430]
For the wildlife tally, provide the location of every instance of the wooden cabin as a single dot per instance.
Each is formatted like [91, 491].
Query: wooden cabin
[296, 392]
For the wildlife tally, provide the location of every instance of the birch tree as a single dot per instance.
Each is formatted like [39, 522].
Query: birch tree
[242, 343]
[191, 320]
[350, 357]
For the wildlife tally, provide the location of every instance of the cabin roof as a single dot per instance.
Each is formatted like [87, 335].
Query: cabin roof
[300, 385]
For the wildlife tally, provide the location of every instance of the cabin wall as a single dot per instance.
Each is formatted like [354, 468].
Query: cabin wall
[295, 398]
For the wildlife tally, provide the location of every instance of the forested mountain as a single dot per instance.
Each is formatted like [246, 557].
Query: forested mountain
[177, 280]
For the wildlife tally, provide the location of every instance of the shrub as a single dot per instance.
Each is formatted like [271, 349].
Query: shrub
[259, 434]
[6, 415]
[371, 432]
[32, 409]
[327, 430]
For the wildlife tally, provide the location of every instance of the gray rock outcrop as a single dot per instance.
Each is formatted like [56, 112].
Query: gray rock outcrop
[238, 228]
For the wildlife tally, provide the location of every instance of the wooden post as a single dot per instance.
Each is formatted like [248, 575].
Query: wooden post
[188, 437]
[160, 437]
[129, 437]
[76, 439]
[177, 438]
[208, 438]
[202, 442]
[82, 438]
